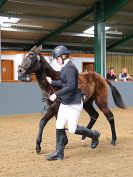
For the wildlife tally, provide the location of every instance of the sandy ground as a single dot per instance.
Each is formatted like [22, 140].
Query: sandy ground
[19, 159]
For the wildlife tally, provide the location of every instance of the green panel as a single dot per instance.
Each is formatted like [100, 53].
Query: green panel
[68, 24]
[2, 2]
[111, 7]
[120, 42]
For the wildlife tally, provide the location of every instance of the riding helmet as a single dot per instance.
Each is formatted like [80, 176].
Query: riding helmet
[60, 50]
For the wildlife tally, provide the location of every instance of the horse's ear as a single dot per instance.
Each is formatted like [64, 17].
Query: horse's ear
[33, 49]
[38, 49]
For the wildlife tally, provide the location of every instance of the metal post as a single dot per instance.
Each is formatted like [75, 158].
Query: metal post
[103, 49]
[100, 40]
[111, 7]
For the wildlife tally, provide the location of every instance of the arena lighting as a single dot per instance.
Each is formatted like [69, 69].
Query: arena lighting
[6, 24]
[114, 32]
[4, 20]
[90, 31]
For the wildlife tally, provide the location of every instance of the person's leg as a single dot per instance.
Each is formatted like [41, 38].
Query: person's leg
[72, 120]
[73, 115]
[93, 134]
[61, 138]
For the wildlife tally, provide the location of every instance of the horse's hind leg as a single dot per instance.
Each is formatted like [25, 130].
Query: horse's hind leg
[110, 117]
[88, 107]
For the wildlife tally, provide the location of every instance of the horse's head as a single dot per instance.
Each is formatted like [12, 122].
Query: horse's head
[30, 64]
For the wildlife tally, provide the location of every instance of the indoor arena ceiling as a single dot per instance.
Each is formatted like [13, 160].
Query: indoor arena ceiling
[55, 22]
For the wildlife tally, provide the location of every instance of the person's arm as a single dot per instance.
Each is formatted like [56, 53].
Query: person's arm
[57, 83]
[108, 76]
[121, 78]
[128, 76]
[115, 76]
[71, 76]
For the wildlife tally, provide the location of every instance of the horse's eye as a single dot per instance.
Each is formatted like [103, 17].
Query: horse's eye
[32, 56]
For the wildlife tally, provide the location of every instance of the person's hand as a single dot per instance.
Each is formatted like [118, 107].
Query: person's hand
[52, 97]
[49, 79]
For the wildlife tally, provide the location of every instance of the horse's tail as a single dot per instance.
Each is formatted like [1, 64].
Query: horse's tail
[116, 96]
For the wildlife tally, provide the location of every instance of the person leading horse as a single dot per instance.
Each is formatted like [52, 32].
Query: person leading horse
[71, 104]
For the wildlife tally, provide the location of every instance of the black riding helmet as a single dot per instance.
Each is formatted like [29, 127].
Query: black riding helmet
[60, 50]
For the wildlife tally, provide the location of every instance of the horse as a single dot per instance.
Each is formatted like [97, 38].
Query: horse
[94, 87]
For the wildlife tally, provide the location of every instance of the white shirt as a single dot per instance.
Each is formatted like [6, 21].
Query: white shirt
[65, 62]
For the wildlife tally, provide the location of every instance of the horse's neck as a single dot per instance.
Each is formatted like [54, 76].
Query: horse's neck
[43, 83]
[48, 70]
[44, 71]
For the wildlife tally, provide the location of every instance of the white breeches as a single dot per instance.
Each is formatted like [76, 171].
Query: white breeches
[69, 114]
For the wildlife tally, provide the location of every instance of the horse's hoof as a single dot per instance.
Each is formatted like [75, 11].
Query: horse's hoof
[83, 138]
[113, 142]
[38, 150]
[82, 141]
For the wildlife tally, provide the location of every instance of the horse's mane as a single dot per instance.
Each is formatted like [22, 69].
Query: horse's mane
[49, 71]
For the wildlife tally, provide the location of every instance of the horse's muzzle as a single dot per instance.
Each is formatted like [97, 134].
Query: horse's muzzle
[26, 78]
[23, 76]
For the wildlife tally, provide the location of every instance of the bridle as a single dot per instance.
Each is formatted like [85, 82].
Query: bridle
[31, 63]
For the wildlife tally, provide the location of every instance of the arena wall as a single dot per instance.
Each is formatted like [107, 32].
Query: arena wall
[24, 98]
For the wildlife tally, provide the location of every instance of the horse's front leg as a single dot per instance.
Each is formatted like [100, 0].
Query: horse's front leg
[49, 114]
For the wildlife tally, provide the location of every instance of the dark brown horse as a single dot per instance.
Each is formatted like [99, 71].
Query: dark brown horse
[92, 85]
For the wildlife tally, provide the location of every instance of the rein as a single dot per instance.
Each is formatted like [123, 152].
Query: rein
[44, 93]
[45, 98]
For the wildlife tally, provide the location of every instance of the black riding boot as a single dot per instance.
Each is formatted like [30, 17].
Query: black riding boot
[65, 137]
[93, 134]
[61, 141]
